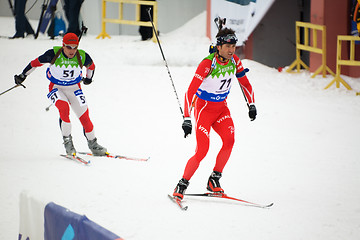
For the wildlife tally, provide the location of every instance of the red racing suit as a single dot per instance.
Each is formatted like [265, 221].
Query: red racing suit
[207, 94]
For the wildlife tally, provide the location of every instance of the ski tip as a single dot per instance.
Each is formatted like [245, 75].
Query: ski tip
[270, 205]
[267, 206]
[178, 202]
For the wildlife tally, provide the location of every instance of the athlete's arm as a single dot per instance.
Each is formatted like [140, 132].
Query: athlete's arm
[90, 66]
[201, 72]
[244, 81]
[39, 61]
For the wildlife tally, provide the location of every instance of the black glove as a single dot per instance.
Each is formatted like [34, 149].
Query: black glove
[186, 126]
[86, 81]
[19, 78]
[252, 112]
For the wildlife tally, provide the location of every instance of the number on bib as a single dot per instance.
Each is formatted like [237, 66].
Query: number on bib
[81, 97]
[224, 82]
[53, 96]
[68, 73]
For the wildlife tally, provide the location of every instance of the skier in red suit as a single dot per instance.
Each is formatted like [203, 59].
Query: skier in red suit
[207, 94]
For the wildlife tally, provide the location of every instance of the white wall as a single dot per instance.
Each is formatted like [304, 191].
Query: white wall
[171, 14]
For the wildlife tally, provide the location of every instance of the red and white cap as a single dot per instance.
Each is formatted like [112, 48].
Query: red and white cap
[70, 38]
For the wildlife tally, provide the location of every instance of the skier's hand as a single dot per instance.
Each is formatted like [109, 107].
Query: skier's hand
[187, 127]
[252, 112]
[87, 81]
[19, 78]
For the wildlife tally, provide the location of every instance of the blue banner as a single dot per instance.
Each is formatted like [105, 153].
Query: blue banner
[60, 223]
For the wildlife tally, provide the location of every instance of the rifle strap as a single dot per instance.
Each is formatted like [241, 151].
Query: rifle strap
[58, 54]
[79, 59]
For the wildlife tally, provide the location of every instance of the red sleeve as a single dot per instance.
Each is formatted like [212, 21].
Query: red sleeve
[201, 72]
[92, 66]
[36, 63]
[244, 81]
[31, 66]
[90, 70]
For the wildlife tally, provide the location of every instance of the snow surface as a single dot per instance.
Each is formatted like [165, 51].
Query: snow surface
[302, 151]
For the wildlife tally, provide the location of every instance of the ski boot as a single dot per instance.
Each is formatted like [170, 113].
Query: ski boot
[181, 188]
[213, 184]
[69, 146]
[96, 149]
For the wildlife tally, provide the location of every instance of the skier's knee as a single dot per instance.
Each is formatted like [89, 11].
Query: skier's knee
[86, 122]
[64, 110]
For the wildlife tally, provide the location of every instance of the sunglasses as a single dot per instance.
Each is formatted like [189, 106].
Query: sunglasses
[70, 47]
[231, 38]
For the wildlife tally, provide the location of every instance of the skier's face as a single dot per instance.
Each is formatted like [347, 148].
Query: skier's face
[227, 50]
[70, 50]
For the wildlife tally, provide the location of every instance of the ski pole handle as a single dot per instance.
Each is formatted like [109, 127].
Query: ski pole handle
[83, 30]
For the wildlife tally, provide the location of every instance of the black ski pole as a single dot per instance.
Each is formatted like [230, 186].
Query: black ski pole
[83, 30]
[12, 8]
[167, 67]
[17, 85]
[48, 107]
[43, 9]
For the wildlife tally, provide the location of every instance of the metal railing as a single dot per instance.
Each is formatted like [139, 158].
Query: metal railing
[310, 45]
[121, 20]
[347, 62]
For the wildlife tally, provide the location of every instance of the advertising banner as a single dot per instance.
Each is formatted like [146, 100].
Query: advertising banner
[61, 223]
[241, 15]
[49, 221]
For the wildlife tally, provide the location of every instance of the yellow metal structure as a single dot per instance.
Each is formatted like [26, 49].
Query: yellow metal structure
[339, 61]
[310, 46]
[120, 20]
